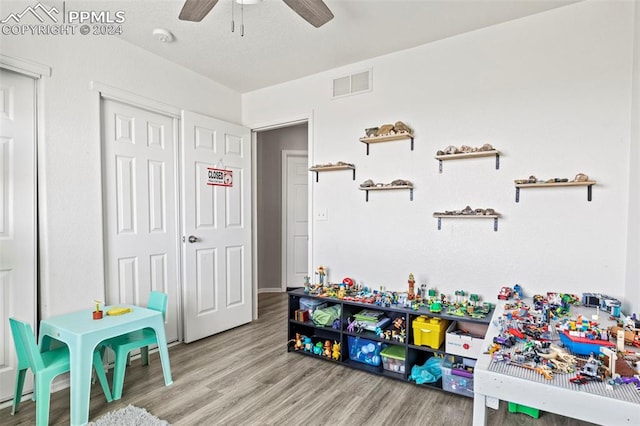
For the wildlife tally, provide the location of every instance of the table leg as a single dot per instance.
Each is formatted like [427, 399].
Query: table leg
[479, 409]
[80, 378]
[164, 352]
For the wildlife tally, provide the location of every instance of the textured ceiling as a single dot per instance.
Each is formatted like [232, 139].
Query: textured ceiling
[279, 46]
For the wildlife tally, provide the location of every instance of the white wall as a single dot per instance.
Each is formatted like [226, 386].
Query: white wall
[552, 92]
[69, 164]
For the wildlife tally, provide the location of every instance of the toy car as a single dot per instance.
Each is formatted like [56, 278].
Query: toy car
[505, 341]
[505, 293]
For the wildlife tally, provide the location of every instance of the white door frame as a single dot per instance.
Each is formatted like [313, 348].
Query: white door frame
[286, 153]
[270, 125]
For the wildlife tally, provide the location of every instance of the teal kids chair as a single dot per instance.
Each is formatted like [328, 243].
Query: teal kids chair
[139, 339]
[45, 366]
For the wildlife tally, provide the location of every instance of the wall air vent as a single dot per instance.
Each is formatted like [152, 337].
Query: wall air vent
[359, 82]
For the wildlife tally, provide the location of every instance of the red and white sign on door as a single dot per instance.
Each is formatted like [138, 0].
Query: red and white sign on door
[219, 177]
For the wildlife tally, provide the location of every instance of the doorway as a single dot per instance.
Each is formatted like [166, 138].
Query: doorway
[271, 199]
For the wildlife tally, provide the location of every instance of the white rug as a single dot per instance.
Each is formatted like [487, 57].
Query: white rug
[129, 416]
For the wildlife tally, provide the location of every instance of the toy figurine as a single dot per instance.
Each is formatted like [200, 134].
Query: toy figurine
[97, 314]
[317, 349]
[322, 273]
[308, 344]
[298, 344]
[412, 283]
[336, 349]
[327, 348]
[307, 284]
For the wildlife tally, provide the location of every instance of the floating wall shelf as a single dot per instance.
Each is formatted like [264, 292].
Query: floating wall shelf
[588, 184]
[388, 138]
[466, 155]
[389, 187]
[441, 216]
[332, 168]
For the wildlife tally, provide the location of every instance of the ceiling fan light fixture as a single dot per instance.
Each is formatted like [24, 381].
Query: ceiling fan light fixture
[163, 35]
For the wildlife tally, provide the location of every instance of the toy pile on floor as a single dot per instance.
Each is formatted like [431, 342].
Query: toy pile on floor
[553, 335]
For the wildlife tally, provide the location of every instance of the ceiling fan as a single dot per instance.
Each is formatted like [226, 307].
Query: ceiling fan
[314, 12]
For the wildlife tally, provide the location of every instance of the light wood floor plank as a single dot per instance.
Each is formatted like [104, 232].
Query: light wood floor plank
[245, 376]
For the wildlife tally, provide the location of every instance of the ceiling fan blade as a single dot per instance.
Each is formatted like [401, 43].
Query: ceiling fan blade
[196, 10]
[314, 12]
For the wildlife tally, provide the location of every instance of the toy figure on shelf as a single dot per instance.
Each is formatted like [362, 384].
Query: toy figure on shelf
[423, 291]
[412, 283]
[308, 344]
[327, 348]
[298, 345]
[307, 284]
[336, 349]
[321, 272]
[435, 306]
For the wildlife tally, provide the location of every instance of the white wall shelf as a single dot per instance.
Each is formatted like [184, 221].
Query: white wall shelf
[385, 188]
[441, 216]
[318, 169]
[589, 184]
[465, 155]
[387, 138]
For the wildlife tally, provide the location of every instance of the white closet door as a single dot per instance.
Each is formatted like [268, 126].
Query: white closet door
[142, 241]
[18, 258]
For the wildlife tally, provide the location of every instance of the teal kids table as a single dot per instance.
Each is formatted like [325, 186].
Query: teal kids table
[82, 334]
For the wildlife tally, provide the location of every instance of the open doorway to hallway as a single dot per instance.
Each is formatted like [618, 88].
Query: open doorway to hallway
[282, 200]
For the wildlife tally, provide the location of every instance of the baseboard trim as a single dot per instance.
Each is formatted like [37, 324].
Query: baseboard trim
[270, 290]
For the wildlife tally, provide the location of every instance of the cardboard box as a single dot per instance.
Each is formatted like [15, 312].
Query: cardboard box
[465, 339]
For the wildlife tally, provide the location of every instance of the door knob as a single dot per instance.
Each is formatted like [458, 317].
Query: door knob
[193, 238]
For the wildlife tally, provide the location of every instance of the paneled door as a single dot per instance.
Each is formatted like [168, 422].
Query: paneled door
[17, 216]
[141, 207]
[295, 218]
[216, 182]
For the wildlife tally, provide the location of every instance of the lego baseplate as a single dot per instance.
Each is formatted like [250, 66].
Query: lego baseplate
[625, 392]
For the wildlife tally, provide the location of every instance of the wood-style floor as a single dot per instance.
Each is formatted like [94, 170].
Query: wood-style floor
[245, 376]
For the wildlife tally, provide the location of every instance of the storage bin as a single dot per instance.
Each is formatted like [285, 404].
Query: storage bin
[429, 331]
[517, 408]
[309, 304]
[364, 350]
[457, 380]
[465, 338]
[393, 358]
